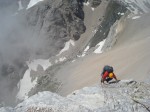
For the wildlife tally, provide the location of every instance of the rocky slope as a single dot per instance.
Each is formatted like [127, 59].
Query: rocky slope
[137, 6]
[126, 95]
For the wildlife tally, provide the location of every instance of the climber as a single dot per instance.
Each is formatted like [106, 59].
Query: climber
[107, 74]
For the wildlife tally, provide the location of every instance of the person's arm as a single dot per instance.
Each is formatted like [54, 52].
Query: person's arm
[104, 77]
[115, 77]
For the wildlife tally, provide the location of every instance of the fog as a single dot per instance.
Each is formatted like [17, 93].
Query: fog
[17, 40]
[26, 35]
[17, 45]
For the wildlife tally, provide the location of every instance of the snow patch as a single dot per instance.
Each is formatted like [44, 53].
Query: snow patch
[26, 83]
[137, 6]
[94, 31]
[33, 2]
[79, 56]
[83, 55]
[20, 5]
[62, 59]
[34, 64]
[67, 46]
[100, 45]
[86, 49]
[56, 61]
[73, 61]
[87, 3]
[92, 9]
[84, 52]
[120, 13]
[136, 17]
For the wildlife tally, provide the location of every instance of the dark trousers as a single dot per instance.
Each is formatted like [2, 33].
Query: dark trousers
[108, 79]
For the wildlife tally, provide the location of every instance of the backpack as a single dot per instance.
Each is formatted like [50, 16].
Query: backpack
[107, 68]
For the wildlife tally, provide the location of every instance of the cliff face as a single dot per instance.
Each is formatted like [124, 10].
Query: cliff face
[55, 22]
[114, 12]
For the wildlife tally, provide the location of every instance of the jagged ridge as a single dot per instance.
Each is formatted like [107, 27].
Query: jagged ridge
[124, 96]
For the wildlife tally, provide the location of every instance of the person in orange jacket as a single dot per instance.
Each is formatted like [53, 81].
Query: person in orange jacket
[107, 74]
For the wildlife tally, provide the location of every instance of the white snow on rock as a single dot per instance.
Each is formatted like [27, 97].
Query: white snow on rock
[25, 86]
[79, 56]
[67, 46]
[56, 61]
[120, 13]
[100, 45]
[86, 49]
[26, 83]
[34, 64]
[92, 9]
[137, 6]
[33, 2]
[94, 31]
[84, 52]
[87, 3]
[83, 55]
[136, 17]
[20, 5]
[73, 61]
[62, 59]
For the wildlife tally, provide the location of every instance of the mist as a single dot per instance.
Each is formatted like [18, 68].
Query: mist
[17, 45]
[37, 33]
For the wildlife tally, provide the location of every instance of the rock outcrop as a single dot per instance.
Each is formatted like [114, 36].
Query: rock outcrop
[54, 23]
[124, 96]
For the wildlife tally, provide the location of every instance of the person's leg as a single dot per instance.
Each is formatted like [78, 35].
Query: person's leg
[108, 79]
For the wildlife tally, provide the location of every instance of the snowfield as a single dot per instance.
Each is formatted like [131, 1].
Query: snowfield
[67, 46]
[33, 2]
[100, 45]
[136, 17]
[26, 83]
